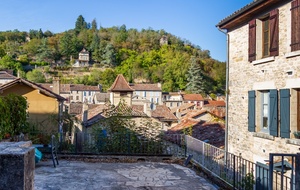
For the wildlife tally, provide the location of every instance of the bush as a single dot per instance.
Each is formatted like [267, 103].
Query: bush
[13, 115]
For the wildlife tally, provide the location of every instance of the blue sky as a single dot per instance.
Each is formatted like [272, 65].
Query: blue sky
[193, 20]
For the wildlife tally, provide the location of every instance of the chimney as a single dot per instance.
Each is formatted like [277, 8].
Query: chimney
[56, 85]
[100, 87]
[147, 109]
[178, 113]
[85, 108]
[159, 85]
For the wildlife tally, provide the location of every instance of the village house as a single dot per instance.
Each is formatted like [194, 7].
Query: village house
[73, 92]
[196, 99]
[172, 99]
[263, 79]
[121, 105]
[83, 59]
[6, 77]
[100, 98]
[45, 108]
[151, 92]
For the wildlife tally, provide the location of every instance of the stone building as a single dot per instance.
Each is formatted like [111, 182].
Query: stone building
[263, 78]
[83, 59]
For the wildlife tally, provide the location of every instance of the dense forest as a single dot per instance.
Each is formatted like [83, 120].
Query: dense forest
[141, 56]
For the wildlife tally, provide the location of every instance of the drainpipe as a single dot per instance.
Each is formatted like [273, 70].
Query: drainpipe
[227, 88]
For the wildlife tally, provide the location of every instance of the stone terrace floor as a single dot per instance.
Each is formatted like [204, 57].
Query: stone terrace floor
[80, 175]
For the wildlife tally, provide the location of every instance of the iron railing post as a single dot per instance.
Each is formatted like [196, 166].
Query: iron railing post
[233, 171]
[297, 172]
[271, 157]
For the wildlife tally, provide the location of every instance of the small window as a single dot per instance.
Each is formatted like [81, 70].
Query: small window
[123, 94]
[265, 37]
[265, 102]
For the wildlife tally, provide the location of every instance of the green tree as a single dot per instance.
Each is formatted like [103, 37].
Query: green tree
[107, 78]
[7, 62]
[13, 113]
[195, 78]
[94, 25]
[80, 24]
[44, 53]
[69, 45]
[109, 56]
[36, 76]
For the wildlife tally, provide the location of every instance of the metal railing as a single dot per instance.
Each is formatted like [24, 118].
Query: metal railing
[234, 170]
[116, 143]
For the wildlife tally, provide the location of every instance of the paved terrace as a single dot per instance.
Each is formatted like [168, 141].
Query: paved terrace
[80, 175]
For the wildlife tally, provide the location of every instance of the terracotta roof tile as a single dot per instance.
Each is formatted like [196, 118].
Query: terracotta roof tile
[219, 103]
[6, 75]
[80, 87]
[120, 84]
[163, 113]
[76, 108]
[32, 85]
[64, 88]
[213, 132]
[146, 87]
[125, 111]
[102, 97]
[183, 107]
[192, 97]
[94, 115]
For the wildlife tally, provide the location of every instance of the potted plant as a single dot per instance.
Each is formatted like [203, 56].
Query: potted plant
[297, 134]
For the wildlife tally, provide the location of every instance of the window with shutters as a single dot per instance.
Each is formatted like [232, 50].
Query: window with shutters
[262, 112]
[263, 36]
[265, 110]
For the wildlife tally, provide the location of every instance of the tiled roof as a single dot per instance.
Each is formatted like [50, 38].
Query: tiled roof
[76, 108]
[146, 87]
[71, 87]
[192, 97]
[214, 103]
[194, 113]
[93, 116]
[247, 12]
[163, 113]
[32, 85]
[81, 87]
[124, 110]
[183, 107]
[213, 132]
[139, 108]
[6, 75]
[102, 97]
[64, 88]
[83, 51]
[120, 85]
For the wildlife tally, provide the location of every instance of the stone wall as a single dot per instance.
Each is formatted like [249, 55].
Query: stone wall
[262, 74]
[17, 165]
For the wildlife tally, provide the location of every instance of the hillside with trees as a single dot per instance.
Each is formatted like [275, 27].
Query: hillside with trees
[141, 56]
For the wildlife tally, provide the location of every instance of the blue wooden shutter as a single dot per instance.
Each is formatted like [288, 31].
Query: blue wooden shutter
[273, 113]
[251, 111]
[285, 113]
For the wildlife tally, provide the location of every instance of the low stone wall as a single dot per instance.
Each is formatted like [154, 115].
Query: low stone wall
[17, 165]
